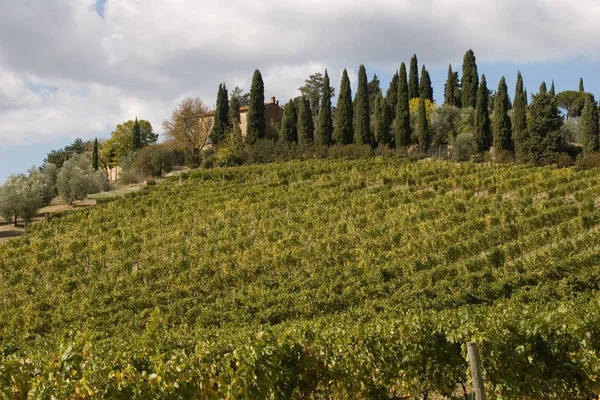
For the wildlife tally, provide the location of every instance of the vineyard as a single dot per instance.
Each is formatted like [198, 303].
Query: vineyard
[312, 279]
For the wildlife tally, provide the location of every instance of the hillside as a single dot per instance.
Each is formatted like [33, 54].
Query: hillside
[317, 279]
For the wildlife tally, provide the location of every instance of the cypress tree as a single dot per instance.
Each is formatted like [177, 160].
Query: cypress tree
[413, 79]
[449, 88]
[519, 117]
[137, 135]
[374, 91]
[501, 125]
[581, 89]
[426, 90]
[391, 95]
[526, 98]
[588, 126]
[402, 120]
[256, 122]
[234, 111]
[457, 90]
[423, 132]
[325, 119]
[470, 80]
[381, 115]
[362, 125]
[342, 132]
[482, 118]
[544, 138]
[289, 130]
[95, 155]
[552, 90]
[543, 88]
[306, 127]
[221, 117]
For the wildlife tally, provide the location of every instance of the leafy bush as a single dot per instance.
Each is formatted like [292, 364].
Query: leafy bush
[232, 150]
[588, 161]
[130, 177]
[463, 147]
[350, 151]
[76, 179]
[154, 160]
[22, 195]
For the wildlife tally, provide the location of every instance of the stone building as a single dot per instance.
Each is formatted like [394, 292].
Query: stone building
[273, 115]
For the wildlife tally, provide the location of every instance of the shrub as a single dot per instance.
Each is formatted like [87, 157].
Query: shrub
[463, 147]
[232, 150]
[131, 176]
[76, 179]
[22, 195]
[563, 160]
[350, 151]
[154, 160]
[588, 161]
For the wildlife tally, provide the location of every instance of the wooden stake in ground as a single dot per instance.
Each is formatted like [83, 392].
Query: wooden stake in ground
[473, 356]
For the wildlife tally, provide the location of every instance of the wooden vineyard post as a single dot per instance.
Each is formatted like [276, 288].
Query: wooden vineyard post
[473, 356]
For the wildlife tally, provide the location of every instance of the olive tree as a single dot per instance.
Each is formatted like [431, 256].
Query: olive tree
[77, 178]
[22, 195]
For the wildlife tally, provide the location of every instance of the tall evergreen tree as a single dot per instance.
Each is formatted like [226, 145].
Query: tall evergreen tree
[482, 118]
[137, 135]
[306, 127]
[381, 114]
[501, 125]
[362, 123]
[342, 132]
[544, 137]
[413, 79]
[392, 93]
[425, 89]
[325, 130]
[552, 90]
[423, 131]
[95, 155]
[543, 88]
[374, 91]
[581, 89]
[402, 120]
[526, 98]
[470, 80]
[256, 124]
[519, 117]
[588, 126]
[234, 111]
[457, 90]
[449, 88]
[289, 123]
[221, 118]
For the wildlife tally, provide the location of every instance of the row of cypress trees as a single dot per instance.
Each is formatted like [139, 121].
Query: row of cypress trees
[391, 114]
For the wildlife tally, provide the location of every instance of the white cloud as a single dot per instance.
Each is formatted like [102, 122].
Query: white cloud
[146, 55]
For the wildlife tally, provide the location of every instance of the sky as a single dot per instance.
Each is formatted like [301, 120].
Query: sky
[77, 68]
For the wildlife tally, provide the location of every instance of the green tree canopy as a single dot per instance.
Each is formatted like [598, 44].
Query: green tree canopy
[391, 94]
[483, 133]
[289, 127]
[501, 125]
[313, 91]
[423, 131]
[402, 121]
[374, 91]
[519, 117]
[23, 195]
[362, 124]
[572, 102]
[470, 80]
[256, 124]
[95, 155]
[120, 143]
[221, 124]
[588, 126]
[306, 127]
[449, 88]
[381, 115]
[76, 179]
[413, 79]
[342, 133]
[544, 137]
[325, 127]
[425, 89]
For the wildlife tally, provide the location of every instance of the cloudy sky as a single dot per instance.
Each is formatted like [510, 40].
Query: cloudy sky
[76, 68]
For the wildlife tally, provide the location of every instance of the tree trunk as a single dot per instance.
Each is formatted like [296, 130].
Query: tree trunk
[473, 356]
[15, 220]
